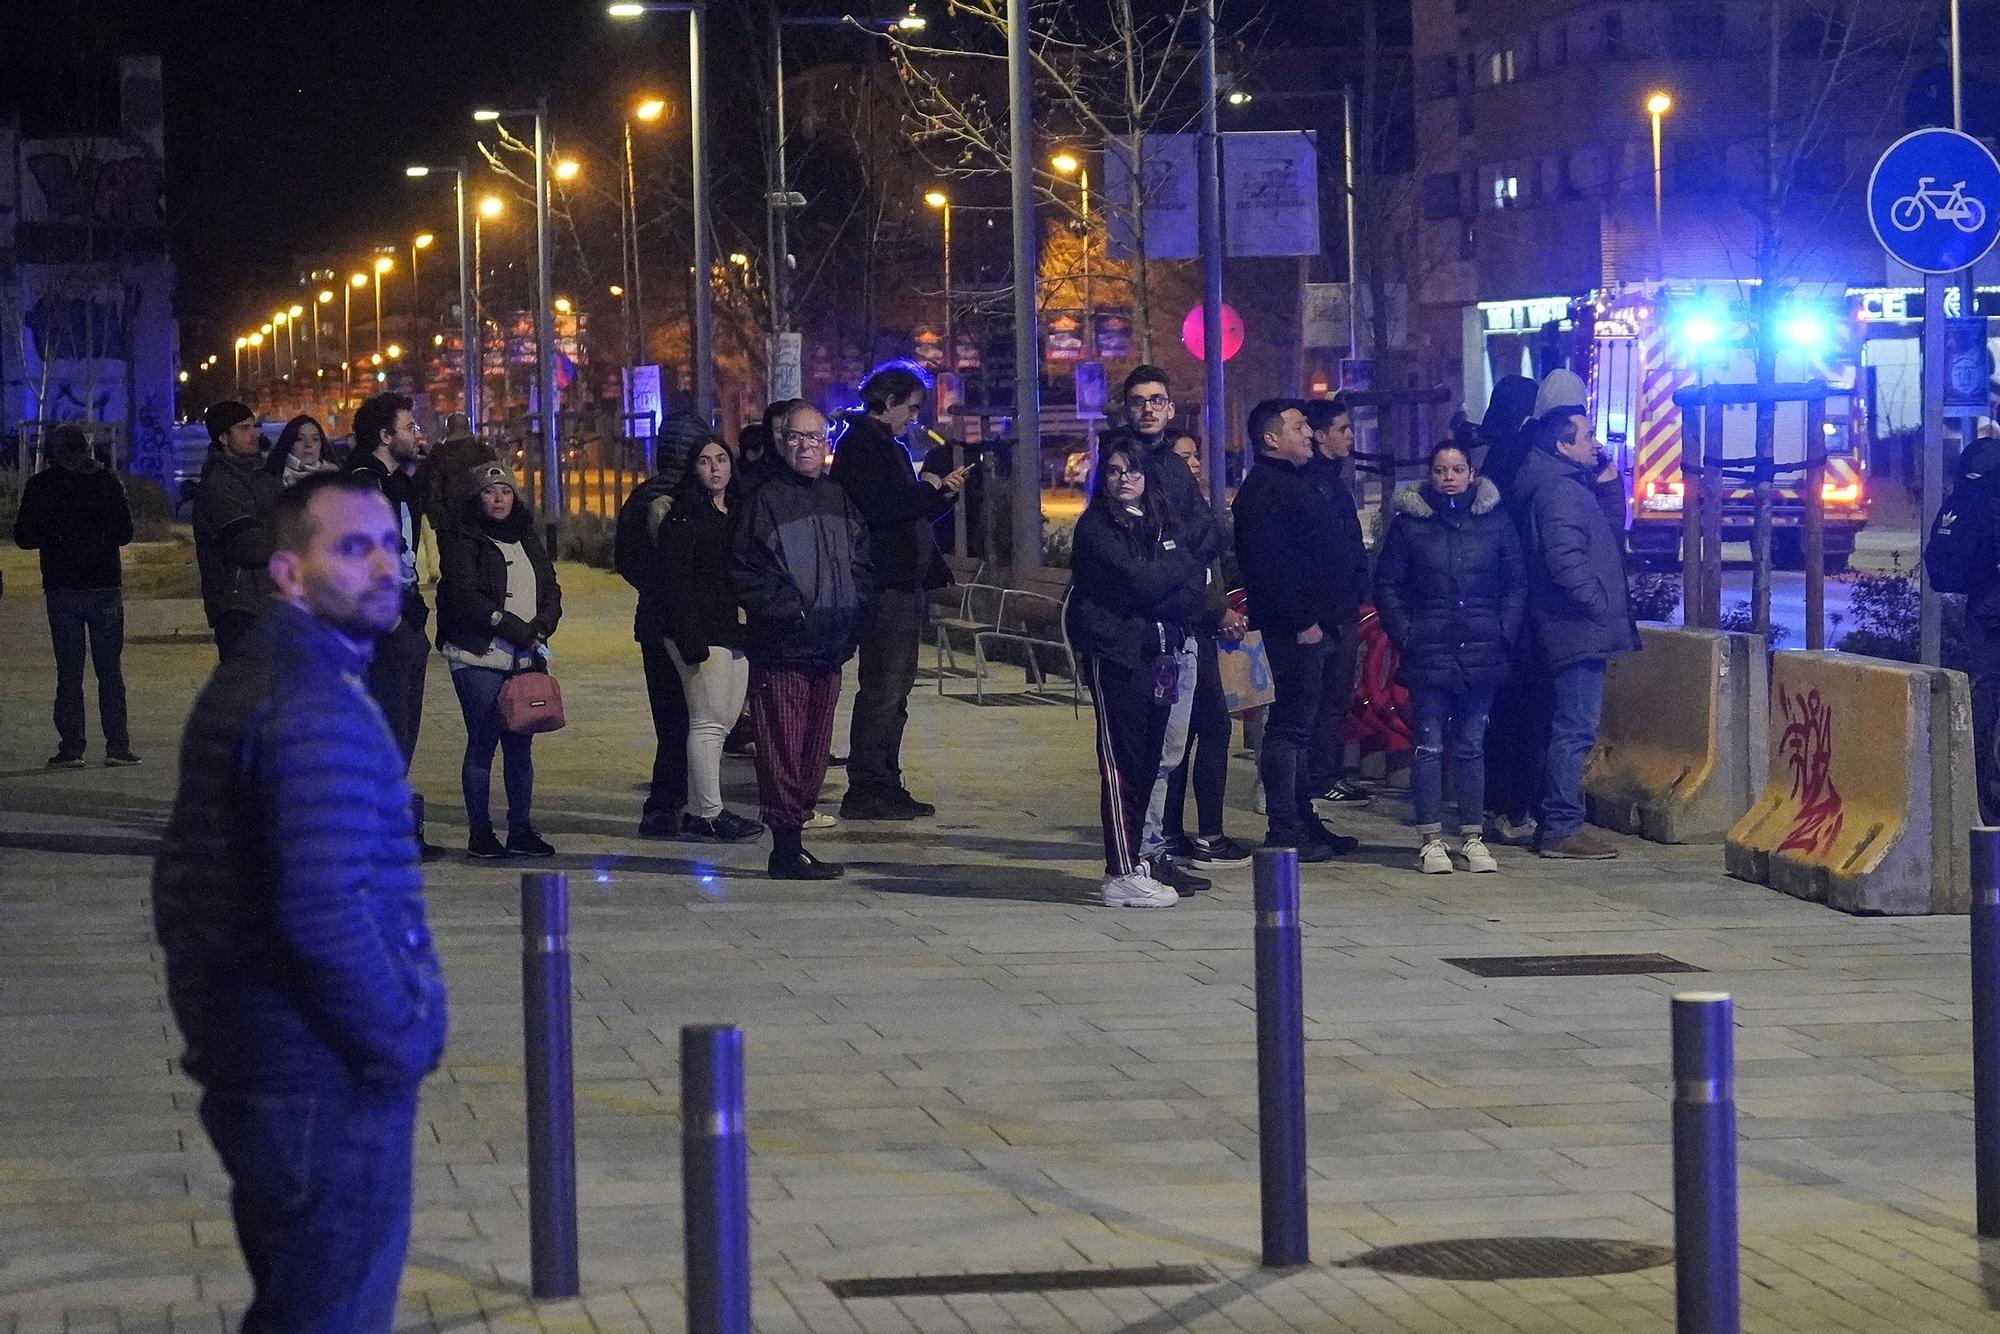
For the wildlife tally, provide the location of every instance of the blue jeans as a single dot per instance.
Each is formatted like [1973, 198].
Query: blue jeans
[478, 698]
[96, 617]
[1298, 673]
[320, 1188]
[1460, 717]
[1579, 699]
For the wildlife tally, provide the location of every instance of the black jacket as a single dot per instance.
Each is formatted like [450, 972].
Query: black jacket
[1131, 596]
[76, 516]
[232, 545]
[1576, 577]
[1450, 587]
[1287, 539]
[286, 895]
[405, 498]
[701, 605]
[1350, 575]
[800, 565]
[472, 583]
[875, 470]
[1167, 476]
[639, 522]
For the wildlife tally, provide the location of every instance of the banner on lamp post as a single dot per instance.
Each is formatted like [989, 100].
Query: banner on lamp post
[787, 366]
[1157, 198]
[1326, 318]
[1270, 180]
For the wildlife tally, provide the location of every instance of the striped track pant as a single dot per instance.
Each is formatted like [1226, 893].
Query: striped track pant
[1131, 732]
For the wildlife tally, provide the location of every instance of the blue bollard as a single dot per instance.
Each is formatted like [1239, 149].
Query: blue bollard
[1986, 1027]
[1706, 1300]
[552, 1240]
[1281, 1061]
[715, 1180]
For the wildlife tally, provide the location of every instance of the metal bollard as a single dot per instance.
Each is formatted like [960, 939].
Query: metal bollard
[715, 1180]
[1986, 1027]
[551, 1085]
[1281, 1061]
[1706, 1300]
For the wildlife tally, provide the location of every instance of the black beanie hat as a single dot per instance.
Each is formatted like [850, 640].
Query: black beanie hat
[221, 416]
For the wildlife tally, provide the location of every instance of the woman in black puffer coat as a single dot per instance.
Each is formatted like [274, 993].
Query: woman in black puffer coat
[1451, 588]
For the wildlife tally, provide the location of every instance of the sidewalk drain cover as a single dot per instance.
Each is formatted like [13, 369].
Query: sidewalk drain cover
[1477, 1258]
[1571, 965]
[1027, 1280]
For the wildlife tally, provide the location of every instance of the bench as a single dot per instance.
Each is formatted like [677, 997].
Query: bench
[1029, 614]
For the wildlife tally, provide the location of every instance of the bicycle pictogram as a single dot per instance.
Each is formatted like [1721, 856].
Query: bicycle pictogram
[1952, 206]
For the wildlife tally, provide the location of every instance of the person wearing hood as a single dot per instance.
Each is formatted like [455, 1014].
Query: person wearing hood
[442, 479]
[301, 451]
[899, 506]
[1501, 447]
[498, 603]
[1578, 612]
[1451, 590]
[232, 545]
[75, 516]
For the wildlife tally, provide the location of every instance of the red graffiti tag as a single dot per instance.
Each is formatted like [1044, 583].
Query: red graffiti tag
[1807, 747]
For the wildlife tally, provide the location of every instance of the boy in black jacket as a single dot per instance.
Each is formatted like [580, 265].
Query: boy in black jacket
[1286, 540]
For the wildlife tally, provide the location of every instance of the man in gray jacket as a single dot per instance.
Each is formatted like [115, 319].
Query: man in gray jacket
[1577, 610]
[231, 542]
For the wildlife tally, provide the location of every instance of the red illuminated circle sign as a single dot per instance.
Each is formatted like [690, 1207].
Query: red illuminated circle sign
[1232, 333]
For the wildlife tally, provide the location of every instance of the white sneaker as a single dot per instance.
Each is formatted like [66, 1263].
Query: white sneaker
[1434, 859]
[820, 820]
[1138, 890]
[1477, 858]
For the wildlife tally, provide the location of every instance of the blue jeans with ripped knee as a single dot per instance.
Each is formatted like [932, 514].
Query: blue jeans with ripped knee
[1460, 718]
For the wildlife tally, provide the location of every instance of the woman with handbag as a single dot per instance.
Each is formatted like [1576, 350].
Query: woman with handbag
[498, 603]
[1134, 592]
[705, 635]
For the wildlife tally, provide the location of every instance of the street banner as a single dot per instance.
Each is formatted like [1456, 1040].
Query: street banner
[929, 348]
[788, 366]
[1161, 194]
[1968, 367]
[1113, 333]
[1062, 335]
[1326, 314]
[644, 399]
[1270, 193]
[1090, 389]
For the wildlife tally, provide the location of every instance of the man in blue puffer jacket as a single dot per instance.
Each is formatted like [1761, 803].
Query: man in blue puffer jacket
[289, 903]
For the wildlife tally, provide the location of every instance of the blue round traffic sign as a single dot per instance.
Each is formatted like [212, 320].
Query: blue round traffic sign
[1934, 200]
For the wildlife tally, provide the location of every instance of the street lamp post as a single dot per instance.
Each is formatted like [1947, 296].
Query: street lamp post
[319, 365]
[650, 109]
[1068, 164]
[383, 264]
[941, 201]
[1657, 106]
[241, 343]
[468, 327]
[704, 297]
[1208, 170]
[421, 241]
[354, 280]
[1026, 527]
[490, 208]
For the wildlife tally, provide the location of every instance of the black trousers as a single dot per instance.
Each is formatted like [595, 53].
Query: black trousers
[1329, 751]
[1131, 733]
[1298, 676]
[668, 704]
[1982, 642]
[891, 627]
[1517, 743]
[1208, 752]
[396, 680]
[230, 628]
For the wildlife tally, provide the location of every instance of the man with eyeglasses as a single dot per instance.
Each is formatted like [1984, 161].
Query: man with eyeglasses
[389, 446]
[1149, 412]
[801, 568]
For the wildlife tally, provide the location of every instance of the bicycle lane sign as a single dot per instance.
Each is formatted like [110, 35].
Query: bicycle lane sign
[1934, 200]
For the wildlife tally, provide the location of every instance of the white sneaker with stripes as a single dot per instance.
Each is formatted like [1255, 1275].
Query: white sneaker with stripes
[1138, 890]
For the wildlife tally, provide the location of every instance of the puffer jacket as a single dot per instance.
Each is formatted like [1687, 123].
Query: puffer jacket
[472, 583]
[287, 895]
[1450, 587]
[800, 565]
[1132, 596]
[232, 544]
[1577, 605]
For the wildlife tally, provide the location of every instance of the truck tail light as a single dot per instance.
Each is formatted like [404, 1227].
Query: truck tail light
[1840, 494]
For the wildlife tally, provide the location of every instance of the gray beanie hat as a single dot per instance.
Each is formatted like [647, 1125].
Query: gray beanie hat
[1561, 388]
[483, 475]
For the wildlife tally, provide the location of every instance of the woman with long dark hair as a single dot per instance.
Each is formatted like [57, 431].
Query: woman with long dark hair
[1134, 594]
[1451, 588]
[301, 451]
[498, 603]
[705, 634]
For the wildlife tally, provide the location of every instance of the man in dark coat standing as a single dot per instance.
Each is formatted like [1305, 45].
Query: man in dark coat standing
[1333, 443]
[1577, 612]
[289, 905]
[872, 467]
[231, 544]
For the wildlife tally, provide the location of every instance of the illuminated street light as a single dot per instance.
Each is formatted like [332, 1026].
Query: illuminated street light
[936, 198]
[1237, 97]
[485, 115]
[1065, 162]
[296, 311]
[422, 240]
[616, 290]
[562, 305]
[651, 108]
[1657, 106]
[567, 169]
[491, 207]
[911, 21]
[264, 330]
[383, 264]
[738, 258]
[393, 351]
[358, 280]
[416, 173]
[325, 295]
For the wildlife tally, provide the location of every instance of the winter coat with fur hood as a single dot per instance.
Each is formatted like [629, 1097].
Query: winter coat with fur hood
[1451, 587]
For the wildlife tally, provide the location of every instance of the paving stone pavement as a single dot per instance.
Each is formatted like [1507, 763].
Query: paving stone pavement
[959, 1063]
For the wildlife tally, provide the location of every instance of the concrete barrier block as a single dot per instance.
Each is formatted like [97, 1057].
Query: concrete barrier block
[1869, 790]
[1680, 753]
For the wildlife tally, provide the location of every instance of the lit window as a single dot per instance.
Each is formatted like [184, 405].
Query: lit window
[1506, 189]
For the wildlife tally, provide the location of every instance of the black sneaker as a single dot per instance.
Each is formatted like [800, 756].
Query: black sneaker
[658, 824]
[528, 843]
[923, 810]
[1300, 840]
[65, 760]
[1343, 793]
[1221, 850]
[1175, 876]
[120, 759]
[1178, 845]
[483, 846]
[802, 865]
[428, 851]
[1338, 844]
[867, 805]
[728, 827]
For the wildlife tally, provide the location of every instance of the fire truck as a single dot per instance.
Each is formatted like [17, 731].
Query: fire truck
[1648, 342]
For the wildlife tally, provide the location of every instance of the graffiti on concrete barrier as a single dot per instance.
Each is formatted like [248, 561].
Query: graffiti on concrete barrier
[1806, 746]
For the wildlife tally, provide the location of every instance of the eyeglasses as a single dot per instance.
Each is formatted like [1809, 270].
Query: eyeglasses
[795, 438]
[1135, 401]
[1120, 474]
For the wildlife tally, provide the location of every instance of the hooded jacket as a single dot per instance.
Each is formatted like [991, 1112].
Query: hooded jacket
[1349, 576]
[1500, 431]
[1287, 539]
[1167, 475]
[800, 565]
[472, 582]
[1450, 587]
[1132, 595]
[74, 513]
[232, 545]
[1576, 577]
[874, 469]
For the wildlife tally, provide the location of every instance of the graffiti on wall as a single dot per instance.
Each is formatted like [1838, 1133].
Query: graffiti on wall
[110, 182]
[1806, 747]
